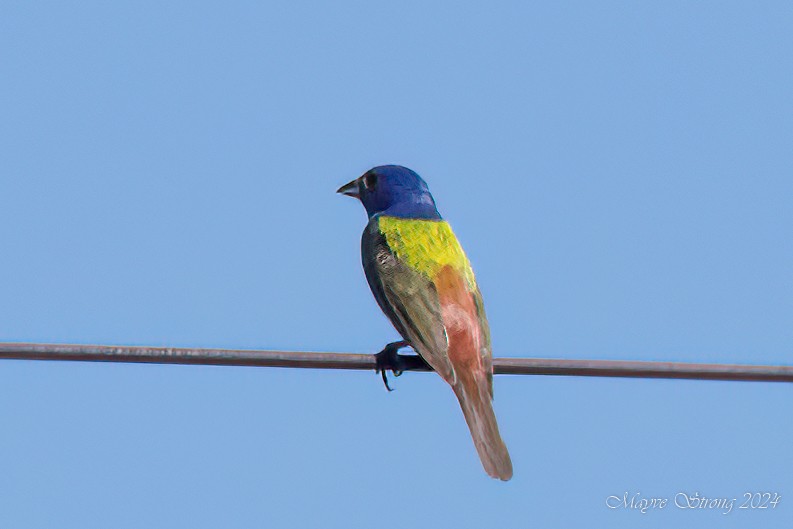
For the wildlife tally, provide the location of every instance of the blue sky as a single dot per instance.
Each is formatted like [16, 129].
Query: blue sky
[618, 172]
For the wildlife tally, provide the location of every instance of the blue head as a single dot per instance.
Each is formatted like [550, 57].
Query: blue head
[393, 190]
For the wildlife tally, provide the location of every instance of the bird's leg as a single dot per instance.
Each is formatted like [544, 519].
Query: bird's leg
[390, 359]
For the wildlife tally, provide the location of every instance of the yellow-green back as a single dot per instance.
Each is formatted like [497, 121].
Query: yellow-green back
[426, 246]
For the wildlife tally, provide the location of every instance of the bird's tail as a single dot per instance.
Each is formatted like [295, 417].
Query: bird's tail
[476, 402]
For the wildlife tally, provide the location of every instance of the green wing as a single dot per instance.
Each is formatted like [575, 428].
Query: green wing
[410, 301]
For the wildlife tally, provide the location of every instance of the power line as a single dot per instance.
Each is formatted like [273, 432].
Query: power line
[313, 360]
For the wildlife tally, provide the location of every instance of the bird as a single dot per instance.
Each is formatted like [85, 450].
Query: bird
[423, 282]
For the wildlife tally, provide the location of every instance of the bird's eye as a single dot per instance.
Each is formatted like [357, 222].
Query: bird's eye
[369, 180]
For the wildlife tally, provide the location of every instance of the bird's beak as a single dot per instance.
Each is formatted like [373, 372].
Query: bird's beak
[350, 189]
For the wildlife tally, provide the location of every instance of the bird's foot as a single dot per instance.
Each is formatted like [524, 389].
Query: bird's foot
[390, 359]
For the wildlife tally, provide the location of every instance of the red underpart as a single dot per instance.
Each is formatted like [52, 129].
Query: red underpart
[461, 320]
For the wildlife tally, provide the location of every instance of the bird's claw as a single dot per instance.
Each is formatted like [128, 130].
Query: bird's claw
[389, 359]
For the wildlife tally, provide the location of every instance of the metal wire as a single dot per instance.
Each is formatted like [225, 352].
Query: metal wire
[312, 360]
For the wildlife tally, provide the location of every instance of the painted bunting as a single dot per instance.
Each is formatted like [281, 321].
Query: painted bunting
[423, 282]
